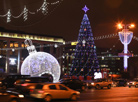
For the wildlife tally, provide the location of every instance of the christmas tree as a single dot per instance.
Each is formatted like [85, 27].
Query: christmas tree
[85, 60]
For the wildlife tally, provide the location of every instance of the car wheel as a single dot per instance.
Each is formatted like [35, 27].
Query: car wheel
[125, 85]
[136, 85]
[48, 98]
[109, 87]
[83, 88]
[73, 97]
[13, 100]
[129, 86]
[97, 87]
[101, 87]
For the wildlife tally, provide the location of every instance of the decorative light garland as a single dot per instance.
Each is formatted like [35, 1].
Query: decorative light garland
[43, 8]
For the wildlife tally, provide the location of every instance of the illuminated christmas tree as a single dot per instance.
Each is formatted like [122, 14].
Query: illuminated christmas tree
[85, 61]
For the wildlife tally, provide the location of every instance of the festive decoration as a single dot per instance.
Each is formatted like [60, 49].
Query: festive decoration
[125, 37]
[9, 16]
[85, 9]
[97, 75]
[43, 8]
[39, 63]
[85, 58]
[25, 13]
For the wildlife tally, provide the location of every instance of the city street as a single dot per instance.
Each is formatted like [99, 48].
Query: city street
[115, 94]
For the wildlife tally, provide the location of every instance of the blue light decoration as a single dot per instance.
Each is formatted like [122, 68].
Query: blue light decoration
[39, 63]
[85, 60]
[85, 9]
[125, 38]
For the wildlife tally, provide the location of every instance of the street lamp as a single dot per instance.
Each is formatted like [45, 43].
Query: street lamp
[125, 37]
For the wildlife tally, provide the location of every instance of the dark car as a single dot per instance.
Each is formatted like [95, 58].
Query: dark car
[12, 95]
[120, 82]
[8, 80]
[26, 84]
[74, 84]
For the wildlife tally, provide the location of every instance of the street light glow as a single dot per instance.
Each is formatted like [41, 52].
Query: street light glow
[132, 26]
[125, 37]
[119, 26]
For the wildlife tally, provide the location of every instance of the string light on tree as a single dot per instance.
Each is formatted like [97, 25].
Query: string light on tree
[83, 42]
[85, 52]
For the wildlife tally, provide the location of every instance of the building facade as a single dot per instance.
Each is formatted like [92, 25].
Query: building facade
[13, 50]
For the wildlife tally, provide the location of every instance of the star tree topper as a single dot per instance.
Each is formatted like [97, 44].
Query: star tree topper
[85, 9]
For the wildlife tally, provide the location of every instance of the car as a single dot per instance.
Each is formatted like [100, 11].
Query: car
[74, 84]
[12, 95]
[119, 82]
[100, 83]
[8, 80]
[25, 84]
[133, 83]
[50, 91]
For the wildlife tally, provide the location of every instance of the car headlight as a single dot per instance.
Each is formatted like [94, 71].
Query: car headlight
[92, 83]
[133, 83]
[127, 83]
[78, 93]
[21, 96]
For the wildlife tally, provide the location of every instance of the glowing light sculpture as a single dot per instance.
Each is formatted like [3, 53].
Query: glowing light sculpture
[39, 63]
[125, 37]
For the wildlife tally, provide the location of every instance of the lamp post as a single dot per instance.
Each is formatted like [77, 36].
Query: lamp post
[125, 37]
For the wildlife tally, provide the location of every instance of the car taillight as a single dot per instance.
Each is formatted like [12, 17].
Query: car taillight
[31, 90]
[24, 84]
[40, 91]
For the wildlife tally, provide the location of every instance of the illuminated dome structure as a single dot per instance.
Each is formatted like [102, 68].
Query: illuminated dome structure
[39, 63]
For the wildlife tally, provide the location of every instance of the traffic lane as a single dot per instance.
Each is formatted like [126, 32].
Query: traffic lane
[115, 94]
[8, 97]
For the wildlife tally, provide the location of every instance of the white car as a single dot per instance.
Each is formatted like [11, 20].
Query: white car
[49, 91]
[133, 83]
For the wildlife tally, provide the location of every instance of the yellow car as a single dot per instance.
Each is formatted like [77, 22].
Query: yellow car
[100, 83]
[49, 91]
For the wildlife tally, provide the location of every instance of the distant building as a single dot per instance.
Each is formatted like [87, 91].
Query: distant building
[111, 65]
[13, 51]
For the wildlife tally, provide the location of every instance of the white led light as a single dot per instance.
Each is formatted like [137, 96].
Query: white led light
[39, 63]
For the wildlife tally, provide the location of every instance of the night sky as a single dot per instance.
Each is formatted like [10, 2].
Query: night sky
[64, 19]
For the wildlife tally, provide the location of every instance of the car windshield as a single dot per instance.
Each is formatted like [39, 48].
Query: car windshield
[98, 80]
